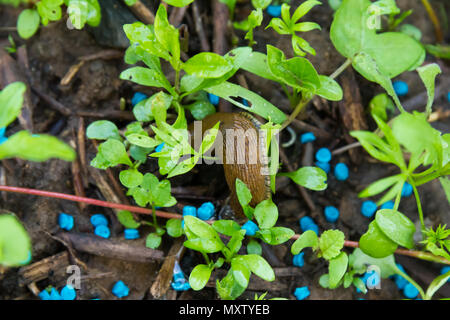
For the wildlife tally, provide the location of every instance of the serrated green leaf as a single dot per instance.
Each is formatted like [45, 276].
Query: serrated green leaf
[331, 243]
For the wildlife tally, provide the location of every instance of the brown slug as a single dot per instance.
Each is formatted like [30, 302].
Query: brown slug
[248, 170]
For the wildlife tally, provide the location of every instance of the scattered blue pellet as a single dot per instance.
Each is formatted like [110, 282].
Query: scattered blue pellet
[54, 295]
[245, 102]
[306, 223]
[99, 220]
[44, 295]
[341, 172]
[250, 228]
[213, 99]
[189, 211]
[307, 137]
[331, 214]
[65, 221]
[323, 155]
[274, 10]
[373, 279]
[159, 147]
[301, 293]
[179, 282]
[407, 190]
[368, 208]
[138, 97]
[400, 88]
[120, 289]
[399, 280]
[206, 211]
[388, 205]
[3, 138]
[325, 166]
[102, 231]
[131, 234]
[448, 96]
[298, 260]
[68, 293]
[410, 291]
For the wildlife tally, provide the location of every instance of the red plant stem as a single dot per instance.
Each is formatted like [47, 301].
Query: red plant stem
[352, 244]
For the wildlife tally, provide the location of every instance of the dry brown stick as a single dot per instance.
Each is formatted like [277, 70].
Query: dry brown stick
[10, 72]
[78, 184]
[81, 148]
[177, 15]
[220, 42]
[162, 281]
[199, 28]
[40, 270]
[53, 103]
[114, 114]
[142, 12]
[113, 249]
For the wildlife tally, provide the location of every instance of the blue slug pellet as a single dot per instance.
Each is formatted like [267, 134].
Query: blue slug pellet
[323, 155]
[68, 293]
[410, 291]
[444, 270]
[99, 220]
[368, 208]
[388, 205]
[159, 147]
[274, 10]
[307, 223]
[331, 214]
[302, 293]
[44, 295]
[298, 260]
[341, 172]
[54, 295]
[307, 137]
[401, 88]
[448, 96]
[189, 211]
[250, 228]
[325, 166]
[131, 234]
[102, 231]
[120, 289]
[65, 221]
[213, 99]
[206, 211]
[407, 190]
[138, 97]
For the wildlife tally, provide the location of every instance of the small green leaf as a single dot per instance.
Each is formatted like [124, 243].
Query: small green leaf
[102, 130]
[130, 178]
[11, 100]
[204, 245]
[396, 226]
[235, 242]
[114, 152]
[207, 65]
[259, 266]
[241, 272]
[226, 227]
[307, 239]
[153, 241]
[127, 219]
[201, 109]
[253, 247]
[375, 243]
[200, 228]
[329, 89]
[309, 177]
[35, 147]
[276, 235]
[266, 214]
[331, 243]
[360, 260]
[199, 277]
[15, 243]
[380, 104]
[337, 269]
[28, 23]
[243, 193]
[174, 228]
[261, 4]
[143, 141]
[428, 75]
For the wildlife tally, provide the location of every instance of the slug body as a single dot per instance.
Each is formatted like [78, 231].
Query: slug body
[243, 146]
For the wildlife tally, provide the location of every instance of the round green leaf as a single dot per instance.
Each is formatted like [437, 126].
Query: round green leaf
[153, 241]
[207, 65]
[266, 213]
[173, 227]
[15, 243]
[253, 247]
[307, 239]
[131, 178]
[329, 89]
[330, 243]
[28, 23]
[309, 177]
[200, 228]
[396, 226]
[375, 243]
[11, 100]
[127, 219]
[102, 130]
[199, 277]
[226, 227]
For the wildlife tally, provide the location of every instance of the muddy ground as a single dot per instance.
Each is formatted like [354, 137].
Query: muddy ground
[96, 88]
